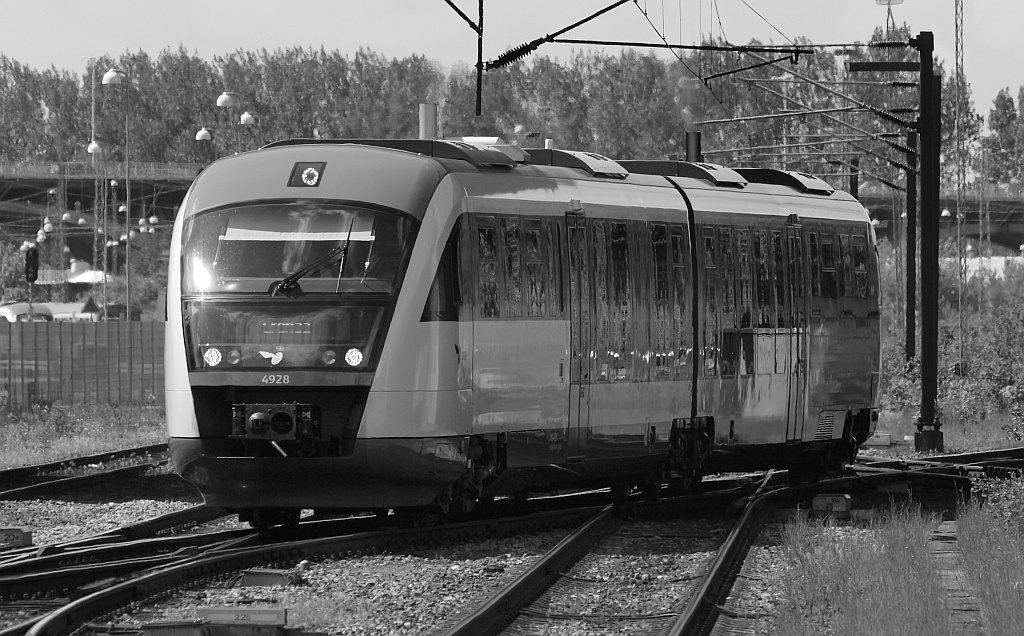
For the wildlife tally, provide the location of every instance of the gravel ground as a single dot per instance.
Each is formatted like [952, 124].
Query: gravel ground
[645, 568]
[100, 507]
[386, 594]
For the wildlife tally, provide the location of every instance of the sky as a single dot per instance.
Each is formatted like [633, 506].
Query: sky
[66, 33]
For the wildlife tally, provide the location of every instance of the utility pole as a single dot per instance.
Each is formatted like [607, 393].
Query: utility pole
[928, 436]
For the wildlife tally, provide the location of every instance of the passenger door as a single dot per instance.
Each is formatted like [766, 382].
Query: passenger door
[579, 332]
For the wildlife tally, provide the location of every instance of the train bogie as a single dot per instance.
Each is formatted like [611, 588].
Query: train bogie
[432, 323]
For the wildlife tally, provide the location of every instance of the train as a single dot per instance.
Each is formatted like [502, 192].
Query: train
[427, 324]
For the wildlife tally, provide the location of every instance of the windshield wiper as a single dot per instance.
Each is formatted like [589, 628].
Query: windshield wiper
[289, 285]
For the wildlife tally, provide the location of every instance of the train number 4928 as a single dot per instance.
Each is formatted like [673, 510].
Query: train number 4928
[271, 378]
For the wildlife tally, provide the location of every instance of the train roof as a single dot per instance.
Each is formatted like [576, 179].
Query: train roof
[420, 165]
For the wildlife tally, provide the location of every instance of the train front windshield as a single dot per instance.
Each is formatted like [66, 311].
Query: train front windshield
[293, 284]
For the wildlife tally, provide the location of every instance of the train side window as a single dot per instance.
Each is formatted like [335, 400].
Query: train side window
[552, 231]
[621, 303]
[488, 292]
[780, 280]
[845, 266]
[829, 284]
[680, 298]
[536, 269]
[445, 297]
[815, 258]
[860, 267]
[661, 318]
[513, 265]
[711, 325]
[727, 275]
[764, 268]
[745, 279]
[602, 316]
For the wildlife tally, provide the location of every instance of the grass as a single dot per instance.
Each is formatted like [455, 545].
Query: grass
[990, 539]
[849, 580]
[958, 437]
[60, 431]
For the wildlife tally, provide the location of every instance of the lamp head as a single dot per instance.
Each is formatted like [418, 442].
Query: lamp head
[94, 148]
[113, 76]
[203, 135]
[228, 99]
[247, 119]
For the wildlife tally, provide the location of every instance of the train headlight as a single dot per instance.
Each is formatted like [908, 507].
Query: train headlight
[212, 356]
[353, 357]
[234, 356]
[329, 357]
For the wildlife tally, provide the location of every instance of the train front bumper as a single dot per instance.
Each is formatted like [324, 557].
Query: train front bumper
[380, 473]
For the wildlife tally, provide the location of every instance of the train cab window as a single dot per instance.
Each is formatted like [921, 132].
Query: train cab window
[814, 253]
[764, 266]
[513, 266]
[829, 284]
[845, 266]
[711, 353]
[603, 362]
[334, 249]
[621, 296]
[860, 266]
[536, 274]
[680, 301]
[661, 316]
[445, 297]
[488, 292]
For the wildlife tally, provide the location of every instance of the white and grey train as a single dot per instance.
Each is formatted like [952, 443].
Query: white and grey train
[368, 325]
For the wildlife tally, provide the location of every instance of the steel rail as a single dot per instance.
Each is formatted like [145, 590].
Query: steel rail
[704, 608]
[70, 617]
[67, 483]
[36, 470]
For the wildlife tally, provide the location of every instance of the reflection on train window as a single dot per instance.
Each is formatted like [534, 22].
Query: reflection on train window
[621, 304]
[554, 258]
[445, 297]
[487, 254]
[343, 249]
[661, 312]
[727, 275]
[536, 270]
[846, 265]
[745, 279]
[829, 286]
[764, 267]
[602, 315]
[860, 267]
[513, 266]
[680, 298]
[711, 326]
[780, 280]
[815, 256]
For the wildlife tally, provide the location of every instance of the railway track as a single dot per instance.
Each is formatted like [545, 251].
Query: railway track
[31, 481]
[698, 596]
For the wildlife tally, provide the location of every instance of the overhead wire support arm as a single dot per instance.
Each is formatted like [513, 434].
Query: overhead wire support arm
[478, 28]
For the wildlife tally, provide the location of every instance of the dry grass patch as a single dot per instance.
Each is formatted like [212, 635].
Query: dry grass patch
[59, 431]
[847, 580]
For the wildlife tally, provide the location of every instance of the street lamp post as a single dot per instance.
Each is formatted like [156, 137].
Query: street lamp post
[117, 76]
[230, 100]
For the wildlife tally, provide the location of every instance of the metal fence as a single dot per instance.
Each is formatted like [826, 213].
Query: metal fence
[81, 363]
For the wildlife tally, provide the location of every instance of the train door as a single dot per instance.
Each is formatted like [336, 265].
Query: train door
[579, 332]
[797, 292]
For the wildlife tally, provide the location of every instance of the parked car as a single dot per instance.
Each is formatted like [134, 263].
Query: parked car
[23, 312]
